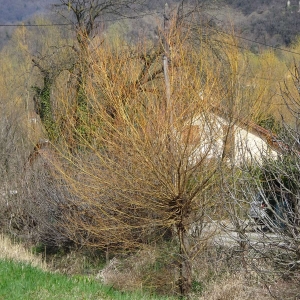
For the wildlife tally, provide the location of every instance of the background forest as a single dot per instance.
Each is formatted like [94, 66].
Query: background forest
[270, 22]
[99, 158]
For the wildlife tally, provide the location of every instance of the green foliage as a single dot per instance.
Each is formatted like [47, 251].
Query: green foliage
[160, 275]
[43, 107]
[271, 124]
[39, 248]
[21, 281]
[197, 287]
[284, 173]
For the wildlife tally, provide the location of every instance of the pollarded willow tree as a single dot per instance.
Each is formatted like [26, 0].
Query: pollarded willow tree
[148, 165]
[151, 169]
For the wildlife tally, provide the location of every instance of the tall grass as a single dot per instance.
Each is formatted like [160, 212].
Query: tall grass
[17, 252]
[24, 276]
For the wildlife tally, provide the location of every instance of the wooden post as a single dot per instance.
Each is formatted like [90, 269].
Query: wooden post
[166, 58]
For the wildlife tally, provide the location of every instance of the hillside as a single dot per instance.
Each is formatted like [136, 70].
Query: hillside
[17, 11]
[267, 21]
[20, 10]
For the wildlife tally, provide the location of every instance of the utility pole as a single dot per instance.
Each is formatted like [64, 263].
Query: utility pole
[166, 58]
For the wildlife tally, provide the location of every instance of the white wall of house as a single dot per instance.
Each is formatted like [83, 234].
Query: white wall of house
[250, 147]
[247, 147]
[207, 138]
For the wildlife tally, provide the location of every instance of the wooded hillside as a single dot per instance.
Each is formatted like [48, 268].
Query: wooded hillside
[270, 22]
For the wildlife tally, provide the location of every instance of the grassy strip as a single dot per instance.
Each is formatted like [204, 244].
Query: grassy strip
[24, 276]
[22, 281]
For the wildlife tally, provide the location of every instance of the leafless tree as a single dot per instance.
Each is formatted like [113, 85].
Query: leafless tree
[263, 205]
[151, 169]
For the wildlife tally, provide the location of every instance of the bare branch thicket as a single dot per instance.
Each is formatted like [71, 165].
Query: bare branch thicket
[13, 131]
[43, 195]
[268, 230]
[27, 185]
[26, 213]
[25, 188]
[10, 160]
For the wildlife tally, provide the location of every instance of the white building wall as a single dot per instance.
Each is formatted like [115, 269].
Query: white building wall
[210, 139]
[250, 147]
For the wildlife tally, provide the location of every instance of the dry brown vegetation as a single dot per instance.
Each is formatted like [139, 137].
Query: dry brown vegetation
[17, 252]
[99, 141]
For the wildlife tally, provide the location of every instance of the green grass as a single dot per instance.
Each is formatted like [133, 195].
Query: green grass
[22, 281]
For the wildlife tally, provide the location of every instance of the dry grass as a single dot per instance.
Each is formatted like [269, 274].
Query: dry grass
[146, 270]
[17, 252]
[126, 274]
[235, 287]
